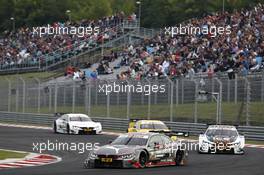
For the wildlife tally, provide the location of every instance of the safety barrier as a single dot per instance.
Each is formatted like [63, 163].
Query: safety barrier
[250, 132]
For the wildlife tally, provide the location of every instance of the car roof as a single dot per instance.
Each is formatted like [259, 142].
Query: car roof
[150, 121]
[77, 115]
[141, 134]
[222, 127]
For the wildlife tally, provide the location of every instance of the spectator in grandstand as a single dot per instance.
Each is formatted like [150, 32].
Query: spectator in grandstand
[104, 68]
[69, 71]
[76, 75]
[26, 47]
[87, 65]
[244, 70]
[210, 72]
[79, 75]
[93, 75]
[186, 55]
[101, 69]
[132, 17]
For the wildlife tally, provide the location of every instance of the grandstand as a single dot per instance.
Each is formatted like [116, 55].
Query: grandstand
[25, 50]
[160, 56]
[186, 55]
[240, 53]
[182, 55]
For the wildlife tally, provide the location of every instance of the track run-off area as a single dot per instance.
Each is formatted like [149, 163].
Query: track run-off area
[24, 139]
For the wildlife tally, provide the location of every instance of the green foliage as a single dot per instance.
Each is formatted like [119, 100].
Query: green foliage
[160, 13]
[155, 13]
[6, 12]
[39, 12]
[127, 6]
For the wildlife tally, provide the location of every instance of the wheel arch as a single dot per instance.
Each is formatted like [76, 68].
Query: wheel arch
[139, 151]
[55, 126]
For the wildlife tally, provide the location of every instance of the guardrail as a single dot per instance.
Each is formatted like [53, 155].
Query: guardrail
[250, 132]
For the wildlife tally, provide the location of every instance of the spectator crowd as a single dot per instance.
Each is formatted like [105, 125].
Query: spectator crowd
[182, 55]
[26, 47]
[241, 51]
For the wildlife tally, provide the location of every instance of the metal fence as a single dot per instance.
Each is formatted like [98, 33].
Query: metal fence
[250, 132]
[237, 101]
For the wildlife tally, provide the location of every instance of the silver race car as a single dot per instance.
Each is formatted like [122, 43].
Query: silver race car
[138, 150]
[76, 124]
[221, 139]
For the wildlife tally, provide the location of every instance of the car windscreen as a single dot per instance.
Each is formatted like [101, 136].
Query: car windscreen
[130, 140]
[153, 126]
[80, 119]
[221, 132]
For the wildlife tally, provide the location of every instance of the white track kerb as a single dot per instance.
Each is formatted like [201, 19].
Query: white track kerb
[111, 133]
[32, 159]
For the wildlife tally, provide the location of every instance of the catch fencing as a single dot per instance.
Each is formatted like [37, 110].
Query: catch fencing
[120, 125]
[238, 101]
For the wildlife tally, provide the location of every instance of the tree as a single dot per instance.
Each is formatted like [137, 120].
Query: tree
[155, 13]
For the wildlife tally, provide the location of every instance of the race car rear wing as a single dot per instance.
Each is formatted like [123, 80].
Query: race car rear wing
[58, 114]
[132, 122]
[172, 133]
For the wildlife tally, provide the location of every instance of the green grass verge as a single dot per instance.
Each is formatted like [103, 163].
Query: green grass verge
[11, 154]
[26, 76]
[206, 112]
[254, 142]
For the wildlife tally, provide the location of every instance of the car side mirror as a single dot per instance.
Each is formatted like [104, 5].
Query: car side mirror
[110, 141]
[242, 134]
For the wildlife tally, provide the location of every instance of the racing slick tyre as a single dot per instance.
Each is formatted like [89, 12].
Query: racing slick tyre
[86, 165]
[179, 157]
[55, 127]
[232, 151]
[200, 152]
[143, 159]
[68, 129]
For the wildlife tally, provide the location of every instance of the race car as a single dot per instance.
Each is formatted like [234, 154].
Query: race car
[138, 150]
[221, 139]
[136, 125]
[76, 124]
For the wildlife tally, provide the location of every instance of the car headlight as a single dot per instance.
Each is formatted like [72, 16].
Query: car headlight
[93, 155]
[127, 156]
[98, 126]
[205, 142]
[236, 144]
[75, 127]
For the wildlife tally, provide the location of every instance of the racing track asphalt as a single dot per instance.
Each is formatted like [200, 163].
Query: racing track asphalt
[198, 164]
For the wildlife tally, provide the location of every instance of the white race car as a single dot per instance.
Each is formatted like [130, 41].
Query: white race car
[76, 124]
[221, 139]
